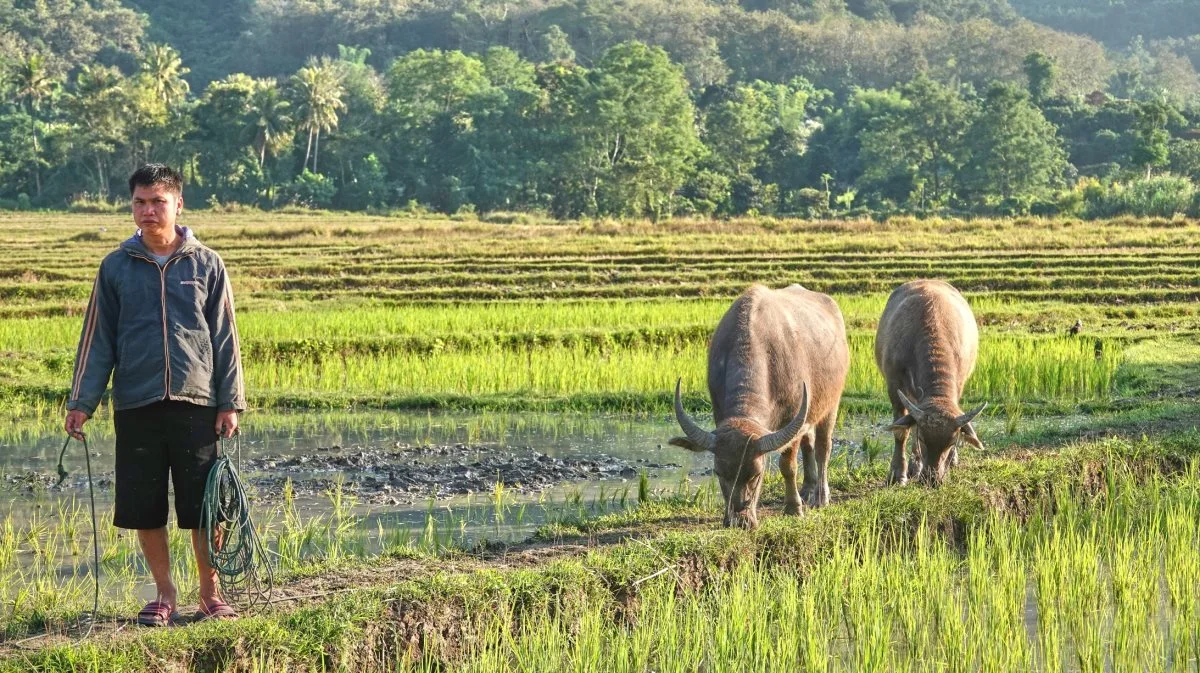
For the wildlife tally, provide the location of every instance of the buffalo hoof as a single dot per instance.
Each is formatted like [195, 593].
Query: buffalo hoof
[741, 521]
[819, 497]
[793, 509]
[915, 469]
[897, 478]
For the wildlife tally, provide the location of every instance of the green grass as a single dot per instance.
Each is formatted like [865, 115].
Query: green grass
[46, 572]
[277, 261]
[909, 603]
[345, 313]
[335, 311]
[888, 576]
[635, 370]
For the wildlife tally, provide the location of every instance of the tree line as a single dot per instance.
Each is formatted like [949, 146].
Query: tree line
[628, 131]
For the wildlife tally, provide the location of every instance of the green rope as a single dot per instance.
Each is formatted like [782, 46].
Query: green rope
[237, 554]
[62, 475]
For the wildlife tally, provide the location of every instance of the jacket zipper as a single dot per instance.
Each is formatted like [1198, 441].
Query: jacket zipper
[162, 286]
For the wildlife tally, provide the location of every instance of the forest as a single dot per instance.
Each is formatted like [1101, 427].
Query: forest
[608, 108]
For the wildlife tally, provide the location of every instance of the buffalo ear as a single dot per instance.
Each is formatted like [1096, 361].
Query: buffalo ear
[969, 436]
[686, 443]
[903, 423]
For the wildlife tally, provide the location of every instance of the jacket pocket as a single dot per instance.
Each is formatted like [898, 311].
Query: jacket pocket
[138, 374]
[192, 363]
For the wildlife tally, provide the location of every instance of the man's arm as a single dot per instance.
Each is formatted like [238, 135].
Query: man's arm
[95, 356]
[227, 357]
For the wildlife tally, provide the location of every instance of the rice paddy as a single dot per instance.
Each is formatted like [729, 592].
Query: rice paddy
[1067, 545]
[46, 577]
[1083, 585]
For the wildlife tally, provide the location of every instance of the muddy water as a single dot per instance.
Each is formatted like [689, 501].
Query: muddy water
[399, 470]
[394, 465]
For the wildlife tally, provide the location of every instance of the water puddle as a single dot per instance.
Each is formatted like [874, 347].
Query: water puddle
[364, 482]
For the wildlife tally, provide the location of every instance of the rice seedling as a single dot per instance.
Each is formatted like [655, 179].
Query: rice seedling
[1018, 598]
[383, 313]
[1014, 411]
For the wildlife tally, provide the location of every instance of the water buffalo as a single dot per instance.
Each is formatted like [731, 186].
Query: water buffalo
[925, 347]
[776, 367]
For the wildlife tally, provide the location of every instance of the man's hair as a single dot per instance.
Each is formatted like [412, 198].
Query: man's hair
[152, 175]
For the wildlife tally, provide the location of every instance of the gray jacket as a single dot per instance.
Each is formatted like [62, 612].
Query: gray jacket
[163, 332]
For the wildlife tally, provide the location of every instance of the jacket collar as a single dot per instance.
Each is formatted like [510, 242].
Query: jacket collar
[135, 245]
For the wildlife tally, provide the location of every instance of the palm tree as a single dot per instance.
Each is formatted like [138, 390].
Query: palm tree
[270, 110]
[318, 91]
[32, 83]
[164, 69]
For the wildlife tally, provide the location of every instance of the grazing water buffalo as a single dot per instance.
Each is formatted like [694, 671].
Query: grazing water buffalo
[776, 367]
[926, 347]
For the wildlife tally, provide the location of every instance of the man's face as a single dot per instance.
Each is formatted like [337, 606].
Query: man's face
[155, 208]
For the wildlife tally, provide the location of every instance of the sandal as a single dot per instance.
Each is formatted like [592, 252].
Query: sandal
[217, 609]
[156, 613]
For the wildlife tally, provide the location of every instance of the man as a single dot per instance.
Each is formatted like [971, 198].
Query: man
[160, 321]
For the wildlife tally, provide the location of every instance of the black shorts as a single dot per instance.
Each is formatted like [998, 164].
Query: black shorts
[168, 436]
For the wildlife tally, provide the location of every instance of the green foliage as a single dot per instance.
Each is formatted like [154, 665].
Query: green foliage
[1015, 156]
[1039, 69]
[628, 134]
[205, 32]
[1159, 196]
[70, 33]
[1115, 22]
[737, 125]
[645, 108]
[835, 148]
[1150, 149]
[317, 98]
[1185, 158]
[311, 190]
[919, 143]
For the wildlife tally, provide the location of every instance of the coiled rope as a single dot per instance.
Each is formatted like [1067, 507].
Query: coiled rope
[236, 553]
[235, 550]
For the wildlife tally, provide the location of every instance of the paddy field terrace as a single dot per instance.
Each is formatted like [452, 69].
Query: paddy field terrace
[1068, 544]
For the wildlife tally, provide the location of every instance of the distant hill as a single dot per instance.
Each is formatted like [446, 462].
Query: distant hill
[837, 44]
[204, 31]
[1116, 22]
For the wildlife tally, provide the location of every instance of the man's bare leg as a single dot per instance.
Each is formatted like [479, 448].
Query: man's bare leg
[209, 590]
[158, 558]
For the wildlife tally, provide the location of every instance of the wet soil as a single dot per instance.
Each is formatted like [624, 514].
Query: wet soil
[400, 475]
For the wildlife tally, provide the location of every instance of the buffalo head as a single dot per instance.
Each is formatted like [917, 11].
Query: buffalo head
[939, 427]
[739, 447]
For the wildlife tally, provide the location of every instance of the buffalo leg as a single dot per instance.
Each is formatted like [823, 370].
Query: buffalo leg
[810, 467]
[899, 469]
[823, 448]
[917, 465]
[787, 467]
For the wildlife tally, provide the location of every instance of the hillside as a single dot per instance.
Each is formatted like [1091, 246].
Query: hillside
[583, 108]
[835, 43]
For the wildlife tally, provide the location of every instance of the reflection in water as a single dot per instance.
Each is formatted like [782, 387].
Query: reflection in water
[28, 466]
[324, 512]
[273, 440]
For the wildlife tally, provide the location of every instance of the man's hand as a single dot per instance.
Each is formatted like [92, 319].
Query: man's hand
[227, 423]
[74, 423]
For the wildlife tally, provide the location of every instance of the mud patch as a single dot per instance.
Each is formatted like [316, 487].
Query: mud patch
[400, 475]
